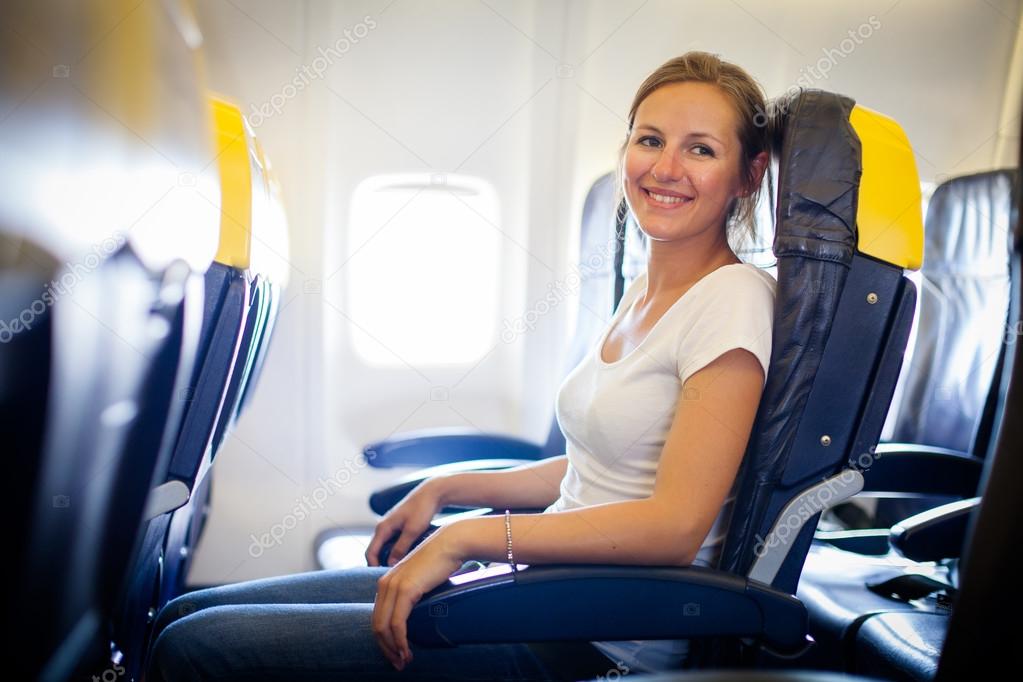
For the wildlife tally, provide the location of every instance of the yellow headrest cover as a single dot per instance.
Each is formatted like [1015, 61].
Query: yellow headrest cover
[888, 216]
[232, 146]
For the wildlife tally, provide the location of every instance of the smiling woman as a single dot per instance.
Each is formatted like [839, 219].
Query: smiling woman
[647, 478]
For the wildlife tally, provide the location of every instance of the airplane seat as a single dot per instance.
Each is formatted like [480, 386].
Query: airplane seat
[944, 409]
[232, 319]
[200, 396]
[964, 303]
[102, 244]
[843, 231]
[116, 346]
[100, 453]
[268, 274]
[912, 567]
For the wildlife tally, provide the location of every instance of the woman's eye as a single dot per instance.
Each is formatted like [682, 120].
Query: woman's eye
[703, 150]
[649, 141]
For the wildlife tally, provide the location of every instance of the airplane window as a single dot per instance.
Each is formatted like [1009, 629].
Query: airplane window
[423, 267]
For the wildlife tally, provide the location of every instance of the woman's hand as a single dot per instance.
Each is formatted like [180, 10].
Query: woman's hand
[411, 517]
[403, 586]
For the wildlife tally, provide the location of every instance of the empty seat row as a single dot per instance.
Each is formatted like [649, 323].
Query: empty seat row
[907, 568]
[132, 199]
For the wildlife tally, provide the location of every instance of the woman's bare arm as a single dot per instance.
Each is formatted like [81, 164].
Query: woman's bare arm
[533, 485]
[698, 465]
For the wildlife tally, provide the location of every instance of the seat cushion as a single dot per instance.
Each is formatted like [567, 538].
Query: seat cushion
[833, 588]
[900, 645]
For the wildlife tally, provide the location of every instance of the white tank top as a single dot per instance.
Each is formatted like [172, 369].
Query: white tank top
[616, 416]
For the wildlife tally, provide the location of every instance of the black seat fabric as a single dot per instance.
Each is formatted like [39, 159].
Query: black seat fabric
[116, 348]
[900, 646]
[815, 242]
[834, 588]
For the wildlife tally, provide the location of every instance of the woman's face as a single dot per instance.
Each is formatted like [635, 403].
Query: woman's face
[682, 161]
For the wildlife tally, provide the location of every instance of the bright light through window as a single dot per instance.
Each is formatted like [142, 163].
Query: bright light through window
[423, 269]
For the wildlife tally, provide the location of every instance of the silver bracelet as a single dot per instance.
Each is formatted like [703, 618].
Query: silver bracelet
[507, 534]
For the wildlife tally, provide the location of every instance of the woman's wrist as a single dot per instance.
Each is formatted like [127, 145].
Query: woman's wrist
[452, 541]
[481, 538]
[440, 488]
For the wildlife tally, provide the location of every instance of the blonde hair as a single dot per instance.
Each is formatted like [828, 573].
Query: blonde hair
[749, 103]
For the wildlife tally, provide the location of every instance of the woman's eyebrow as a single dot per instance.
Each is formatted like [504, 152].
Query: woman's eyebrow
[707, 135]
[690, 135]
[650, 127]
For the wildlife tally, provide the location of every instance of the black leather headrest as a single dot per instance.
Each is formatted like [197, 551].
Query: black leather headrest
[815, 238]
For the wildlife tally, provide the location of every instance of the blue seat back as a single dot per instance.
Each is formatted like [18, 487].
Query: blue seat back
[841, 323]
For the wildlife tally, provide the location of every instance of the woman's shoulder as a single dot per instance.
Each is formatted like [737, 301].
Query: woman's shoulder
[740, 279]
[752, 273]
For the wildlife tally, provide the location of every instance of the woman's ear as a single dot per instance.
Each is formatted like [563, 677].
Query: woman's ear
[759, 164]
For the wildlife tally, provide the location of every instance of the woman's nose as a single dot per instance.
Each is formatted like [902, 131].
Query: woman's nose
[668, 167]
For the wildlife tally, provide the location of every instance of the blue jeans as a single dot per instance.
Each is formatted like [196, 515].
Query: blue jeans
[316, 626]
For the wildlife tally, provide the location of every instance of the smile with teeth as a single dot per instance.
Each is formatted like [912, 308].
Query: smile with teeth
[665, 199]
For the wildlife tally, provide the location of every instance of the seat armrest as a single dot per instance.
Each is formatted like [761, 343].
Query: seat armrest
[165, 498]
[911, 469]
[935, 534]
[429, 447]
[605, 602]
[382, 500]
[871, 541]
